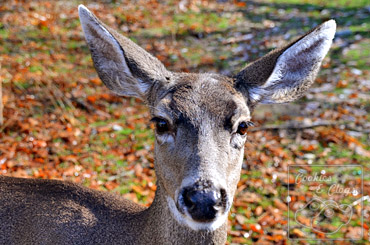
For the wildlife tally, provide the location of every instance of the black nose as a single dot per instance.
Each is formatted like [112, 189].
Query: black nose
[203, 204]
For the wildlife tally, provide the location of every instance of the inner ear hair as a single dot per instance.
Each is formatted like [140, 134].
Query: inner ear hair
[285, 74]
[122, 65]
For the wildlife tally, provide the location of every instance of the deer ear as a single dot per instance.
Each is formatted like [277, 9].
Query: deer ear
[285, 74]
[123, 66]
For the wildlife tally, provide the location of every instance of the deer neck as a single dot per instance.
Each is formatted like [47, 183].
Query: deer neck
[160, 227]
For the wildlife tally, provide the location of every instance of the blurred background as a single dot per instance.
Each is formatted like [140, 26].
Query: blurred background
[60, 122]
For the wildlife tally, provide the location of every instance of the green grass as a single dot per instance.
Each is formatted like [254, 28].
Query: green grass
[184, 23]
[358, 54]
[4, 33]
[198, 21]
[323, 3]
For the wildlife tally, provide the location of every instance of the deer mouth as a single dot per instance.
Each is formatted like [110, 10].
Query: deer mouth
[183, 217]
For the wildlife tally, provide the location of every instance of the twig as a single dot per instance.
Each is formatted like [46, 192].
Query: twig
[299, 126]
[58, 94]
[360, 130]
[89, 108]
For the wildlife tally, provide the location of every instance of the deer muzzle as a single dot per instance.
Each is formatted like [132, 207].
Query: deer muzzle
[203, 201]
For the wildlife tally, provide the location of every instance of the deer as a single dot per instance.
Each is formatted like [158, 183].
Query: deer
[201, 125]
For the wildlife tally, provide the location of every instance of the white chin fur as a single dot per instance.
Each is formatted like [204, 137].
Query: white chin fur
[188, 221]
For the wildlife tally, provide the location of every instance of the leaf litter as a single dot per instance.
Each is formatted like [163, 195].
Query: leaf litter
[60, 122]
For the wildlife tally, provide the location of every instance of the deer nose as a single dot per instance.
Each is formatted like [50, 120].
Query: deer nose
[203, 204]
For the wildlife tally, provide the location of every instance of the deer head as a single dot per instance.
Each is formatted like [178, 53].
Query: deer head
[202, 119]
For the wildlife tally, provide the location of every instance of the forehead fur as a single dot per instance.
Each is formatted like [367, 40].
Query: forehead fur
[194, 97]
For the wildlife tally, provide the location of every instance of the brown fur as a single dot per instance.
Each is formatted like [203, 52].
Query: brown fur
[36, 211]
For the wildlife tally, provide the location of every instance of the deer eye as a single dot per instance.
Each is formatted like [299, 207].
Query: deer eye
[243, 127]
[161, 125]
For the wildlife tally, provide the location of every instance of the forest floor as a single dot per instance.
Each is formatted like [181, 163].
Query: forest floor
[61, 122]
